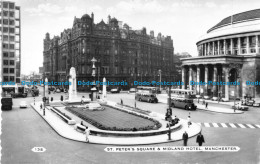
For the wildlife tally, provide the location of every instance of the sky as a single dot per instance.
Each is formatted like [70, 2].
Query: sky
[184, 20]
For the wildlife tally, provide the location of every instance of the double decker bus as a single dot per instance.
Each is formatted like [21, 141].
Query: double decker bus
[183, 93]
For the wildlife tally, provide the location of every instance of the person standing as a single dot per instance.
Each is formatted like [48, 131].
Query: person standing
[189, 121]
[185, 138]
[200, 139]
[206, 105]
[87, 132]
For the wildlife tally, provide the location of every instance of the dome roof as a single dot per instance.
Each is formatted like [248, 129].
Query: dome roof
[237, 18]
[85, 16]
[113, 20]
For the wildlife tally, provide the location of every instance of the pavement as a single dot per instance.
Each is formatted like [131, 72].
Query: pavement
[224, 108]
[69, 132]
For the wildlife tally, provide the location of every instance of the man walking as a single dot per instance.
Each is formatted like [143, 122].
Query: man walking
[185, 138]
[87, 132]
[200, 139]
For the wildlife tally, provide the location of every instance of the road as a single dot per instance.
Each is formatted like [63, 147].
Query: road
[23, 129]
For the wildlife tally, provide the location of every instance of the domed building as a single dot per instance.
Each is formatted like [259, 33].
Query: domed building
[228, 59]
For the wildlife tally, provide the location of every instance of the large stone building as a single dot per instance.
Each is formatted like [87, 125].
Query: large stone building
[11, 42]
[122, 54]
[229, 52]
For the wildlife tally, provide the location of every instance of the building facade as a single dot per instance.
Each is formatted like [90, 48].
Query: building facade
[122, 54]
[11, 41]
[229, 52]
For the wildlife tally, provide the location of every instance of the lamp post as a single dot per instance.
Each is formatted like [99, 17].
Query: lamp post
[160, 72]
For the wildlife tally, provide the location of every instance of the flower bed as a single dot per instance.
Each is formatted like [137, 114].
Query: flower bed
[116, 119]
[146, 112]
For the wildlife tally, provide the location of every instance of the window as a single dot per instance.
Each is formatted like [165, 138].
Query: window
[11, 46]
[11, 14]
[5, 54]
[5, 70]
[5, 37]
[11, 6]
[5, 29]
[11, 30]
[11, 78]
[5, 45]
[5, 21]
[6, 13]
[11, 62]
[5, 5]
[11, 54]
[5, 78]
[11, 70]
[11, 22]
[5, 62]
[11, 38]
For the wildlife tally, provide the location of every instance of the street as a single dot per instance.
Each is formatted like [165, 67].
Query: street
[23, 129]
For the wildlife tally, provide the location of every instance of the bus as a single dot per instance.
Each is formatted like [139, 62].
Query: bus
[183, 93]
[154, 90]
[148, 97]
[183, 103]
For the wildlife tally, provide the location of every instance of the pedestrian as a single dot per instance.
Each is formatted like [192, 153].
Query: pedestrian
[189, 121]
[200, 139]
[87, 132]
[169, 132]
[121, 102]
[41, 106]
[185, 138]
[206, 105]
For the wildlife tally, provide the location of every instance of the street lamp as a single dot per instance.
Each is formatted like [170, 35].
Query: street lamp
[160, 72]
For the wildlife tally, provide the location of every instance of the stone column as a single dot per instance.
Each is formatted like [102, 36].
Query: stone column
[213, 48]
[225, 48]
[218, 47]
[198, 80]
[215, 74]
[183, 75]
[256, 44]
[190, 76]
[206, 81]
[247, 45]
[239, 46]
[231, 46]
[226, 71]
[194, 77]
[205, 49]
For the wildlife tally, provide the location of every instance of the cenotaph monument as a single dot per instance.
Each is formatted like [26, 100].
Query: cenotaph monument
[73, 84]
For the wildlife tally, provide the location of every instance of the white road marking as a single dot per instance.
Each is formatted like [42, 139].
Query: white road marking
[250, 126]
[206, 124]
[199, 124]
[257, 125]
[224, 125]
[232, 125]
[215, 125]
[241, 125]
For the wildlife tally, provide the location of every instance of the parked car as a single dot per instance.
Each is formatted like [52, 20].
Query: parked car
[240, 107]
[14, 95]
[115, 90]
[57, 90]
[23, 104]
[132, 90]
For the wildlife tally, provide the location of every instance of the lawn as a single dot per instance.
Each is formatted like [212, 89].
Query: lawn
[111, 118]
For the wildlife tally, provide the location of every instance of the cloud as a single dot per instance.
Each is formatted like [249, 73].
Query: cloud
[48, 8]
[210, 4]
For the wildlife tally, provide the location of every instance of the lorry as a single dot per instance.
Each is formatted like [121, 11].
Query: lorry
[7, 103]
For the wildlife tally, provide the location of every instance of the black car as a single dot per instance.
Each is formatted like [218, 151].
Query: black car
[115, 90]
[14, 95]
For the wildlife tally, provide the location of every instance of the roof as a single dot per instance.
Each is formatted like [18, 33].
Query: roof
[240, 17]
